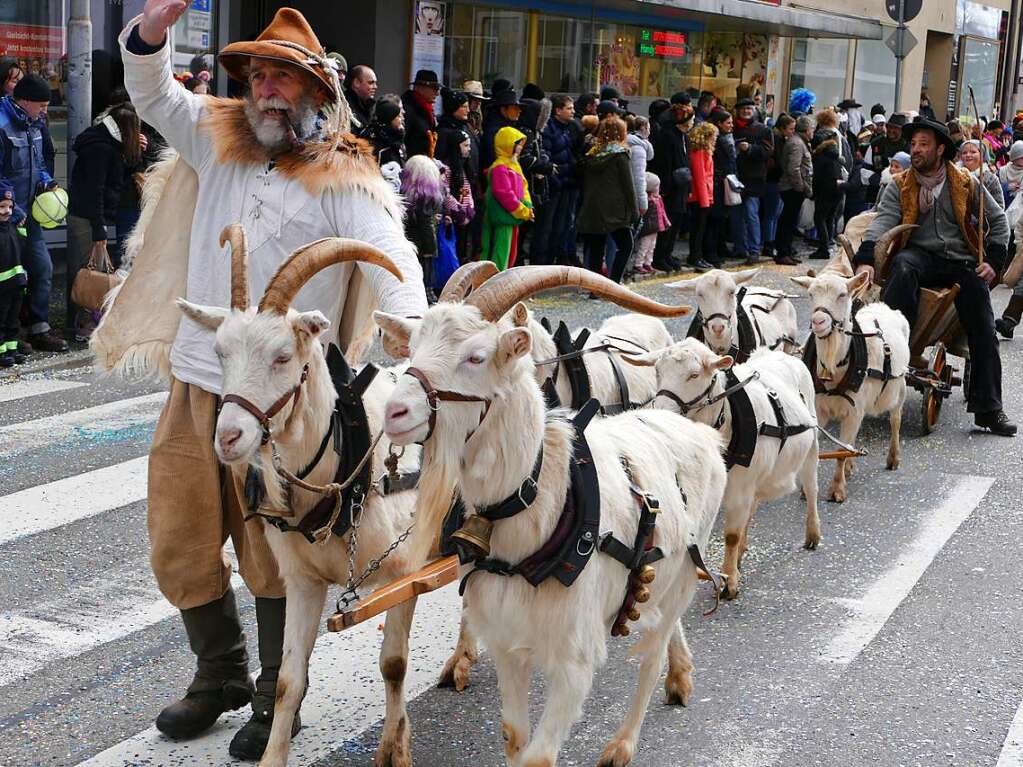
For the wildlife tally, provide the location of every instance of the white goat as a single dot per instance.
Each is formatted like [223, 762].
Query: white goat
[885, 333]
[263, 355]
[691, 377]
[772, 318]
[488, 441]
[630, 332]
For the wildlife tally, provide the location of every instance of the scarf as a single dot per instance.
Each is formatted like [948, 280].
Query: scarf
[1011, 174]
[427, 105]
[504, 152]
[928, 184]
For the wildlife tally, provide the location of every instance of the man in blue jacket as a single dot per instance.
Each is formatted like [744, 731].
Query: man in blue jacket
[556, 218]
[23, 166]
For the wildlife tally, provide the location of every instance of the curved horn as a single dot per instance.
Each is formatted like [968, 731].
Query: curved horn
[467, 278]
[312, 258]
[884, 242]
[235, 234]
[501, 293]
[847, 247]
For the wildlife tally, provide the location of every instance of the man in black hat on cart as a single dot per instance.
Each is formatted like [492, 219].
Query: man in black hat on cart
[943, 250]
[420, 121]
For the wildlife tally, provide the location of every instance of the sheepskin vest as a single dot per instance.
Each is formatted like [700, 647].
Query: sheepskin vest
[141, 320]
[959, 189]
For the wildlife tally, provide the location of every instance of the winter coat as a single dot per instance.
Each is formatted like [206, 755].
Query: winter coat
[827, 168]
[855, 188]
[609, 196]
[640, 154]
[362, 111]
[752, 164]
[493, 121]
[458, 204]
[882, 150]
[11, 270]
[797, 166]
[453, 131]
[655, 220]
[22, 156]
[561, 142]
[701, 162]
[420, 129]
[421, 227]
[535, 161]
[388, 143]
[775, 166]
[671, 152]
[724, 165]
[96, 179]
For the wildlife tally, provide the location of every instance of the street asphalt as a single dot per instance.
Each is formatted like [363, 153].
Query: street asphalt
[897, 642]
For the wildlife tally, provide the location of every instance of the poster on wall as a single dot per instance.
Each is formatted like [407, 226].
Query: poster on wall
[429, 27]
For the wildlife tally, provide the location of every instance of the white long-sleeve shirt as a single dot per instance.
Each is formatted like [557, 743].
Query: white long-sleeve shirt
[278, 214]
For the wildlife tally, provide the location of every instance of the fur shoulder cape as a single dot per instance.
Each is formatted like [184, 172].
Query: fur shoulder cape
[140, 319]
[962, 187]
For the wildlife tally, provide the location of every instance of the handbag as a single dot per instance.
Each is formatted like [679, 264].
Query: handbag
[95, 279]
[732, 190]
[447, 255]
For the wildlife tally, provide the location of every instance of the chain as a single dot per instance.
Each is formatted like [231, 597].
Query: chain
[349, 596]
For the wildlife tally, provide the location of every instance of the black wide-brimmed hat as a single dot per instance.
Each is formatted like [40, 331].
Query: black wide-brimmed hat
[427, 77]
[849, 104]
[506, 98]
[940, 131]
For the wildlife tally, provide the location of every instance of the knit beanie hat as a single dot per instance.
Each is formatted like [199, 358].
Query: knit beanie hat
[903, 159]
[32, 88]
[1016, 152]
[6, 190]
[877, 109]
[533, 91]
[386, 110]
[451, 100]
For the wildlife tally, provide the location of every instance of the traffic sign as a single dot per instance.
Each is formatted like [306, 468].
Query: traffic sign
[909, 12]
[901, 41]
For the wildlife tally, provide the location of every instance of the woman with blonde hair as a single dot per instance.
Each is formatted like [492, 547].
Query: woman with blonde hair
[609, 207]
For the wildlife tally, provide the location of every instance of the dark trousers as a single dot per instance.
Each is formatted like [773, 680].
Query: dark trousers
[697, 232]
[911, 271]
[10, 311]
[550, 232]
[792, 203]
[595, 245]
[824, 220]
[725, 222]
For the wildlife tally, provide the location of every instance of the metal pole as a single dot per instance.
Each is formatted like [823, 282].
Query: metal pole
[900, 32]
[79, 76]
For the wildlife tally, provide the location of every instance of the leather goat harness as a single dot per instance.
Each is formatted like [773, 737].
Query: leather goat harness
[856, 360]
[745, 427]
[570, 357]
[576, 534]
[435, 396]
[349, 431]
[749, 332]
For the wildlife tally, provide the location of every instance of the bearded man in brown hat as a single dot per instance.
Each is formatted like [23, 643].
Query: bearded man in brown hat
[281, 162]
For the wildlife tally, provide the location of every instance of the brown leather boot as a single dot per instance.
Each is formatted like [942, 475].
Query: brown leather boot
[221, 682]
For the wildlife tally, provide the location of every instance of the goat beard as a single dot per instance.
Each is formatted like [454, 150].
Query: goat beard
[272, 132]
[436, 491]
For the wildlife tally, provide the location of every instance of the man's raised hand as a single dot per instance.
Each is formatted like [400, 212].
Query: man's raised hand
[157, 17]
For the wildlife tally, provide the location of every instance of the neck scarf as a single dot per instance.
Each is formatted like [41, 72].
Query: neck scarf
[427, 104]
[928, 183]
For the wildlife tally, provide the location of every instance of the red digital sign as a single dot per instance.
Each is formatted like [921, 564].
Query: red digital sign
[661, 44]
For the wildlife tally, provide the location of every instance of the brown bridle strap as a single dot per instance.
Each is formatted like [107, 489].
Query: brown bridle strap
[435, 396]
[275, 408]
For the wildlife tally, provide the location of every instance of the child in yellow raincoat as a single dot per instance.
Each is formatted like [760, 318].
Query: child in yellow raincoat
[508, 203]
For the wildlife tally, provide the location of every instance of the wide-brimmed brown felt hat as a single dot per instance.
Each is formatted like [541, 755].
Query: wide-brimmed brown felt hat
[288, 39]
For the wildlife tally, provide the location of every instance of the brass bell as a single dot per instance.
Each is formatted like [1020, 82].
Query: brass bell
[641, 595]
[620, 630]
[633, 614]
[646, 574]
[473, 538]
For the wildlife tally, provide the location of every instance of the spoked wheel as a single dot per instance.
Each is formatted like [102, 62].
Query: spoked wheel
[930, 407]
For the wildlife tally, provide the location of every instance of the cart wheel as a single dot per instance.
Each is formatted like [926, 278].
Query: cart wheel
[967, 373]
[930, 409]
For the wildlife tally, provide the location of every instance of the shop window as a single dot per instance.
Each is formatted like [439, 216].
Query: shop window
[191, 37]
[561, 54]
[874, 81]
[486, 44]
[978, 68]
[734, 65]
[819, 65]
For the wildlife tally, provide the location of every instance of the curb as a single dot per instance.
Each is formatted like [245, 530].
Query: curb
[49, 364]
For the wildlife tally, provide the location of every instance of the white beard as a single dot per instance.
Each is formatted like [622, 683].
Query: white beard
[272, 132]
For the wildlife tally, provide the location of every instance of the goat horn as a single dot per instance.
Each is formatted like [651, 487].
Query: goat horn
[499, 294]
[235, 234]
[305, 262]
[884, 242]
[847, 247]
[467, 278]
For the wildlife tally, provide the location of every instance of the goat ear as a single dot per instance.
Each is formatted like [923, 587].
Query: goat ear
[745, 276]
[313, 323]
[649, 359]
[520, 315]
[397, 332]
[721, 363]
[803, 282]
[857, 282]
[684, 286]
[513, 344]
[208, 316]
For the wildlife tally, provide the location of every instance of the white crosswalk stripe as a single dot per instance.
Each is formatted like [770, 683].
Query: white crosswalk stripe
[89, 424]
[1012, 749]
[31, 386]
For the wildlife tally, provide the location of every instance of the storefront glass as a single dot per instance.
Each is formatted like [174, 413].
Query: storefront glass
[486, 44]
[192, 34]
[874, 81]
[978, 68]
[32, 31]
[820, 65]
